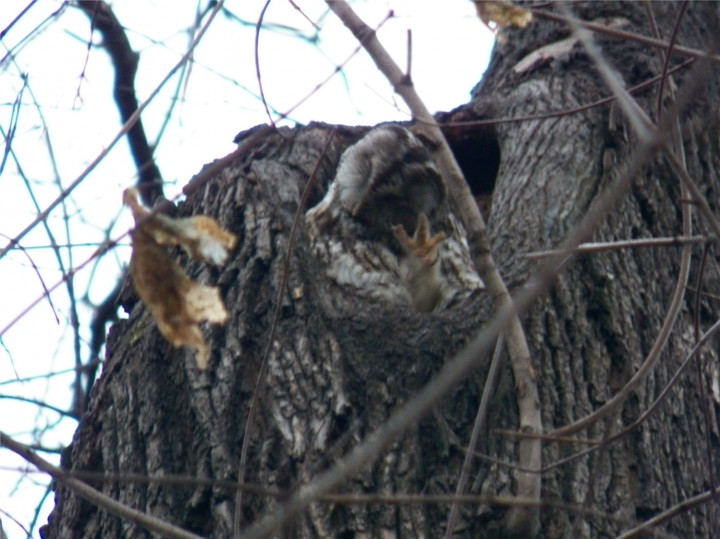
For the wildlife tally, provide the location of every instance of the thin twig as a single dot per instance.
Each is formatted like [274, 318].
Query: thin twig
[48, 231]
[566, 112]
[260, 381]
[40, 278]
[488, 390]
[38, 508]
[697, 197]
[40, 404]
[626, 36]
[43, 215]
[16, 521]
[19, 316]
[43, 376]
[35, 31]
[599, 247]
[549, 437]
[667, 55]
[639, 120]
[408, 69]
[646, 528]
[258, 74]
[679, 150]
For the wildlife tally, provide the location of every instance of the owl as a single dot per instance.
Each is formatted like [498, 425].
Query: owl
[387, 187]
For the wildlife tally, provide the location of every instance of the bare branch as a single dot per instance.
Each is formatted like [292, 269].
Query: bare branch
[258, 74]
[125, 63]
[599, 247]
[40, 404]
[94, 496]
[666, 515]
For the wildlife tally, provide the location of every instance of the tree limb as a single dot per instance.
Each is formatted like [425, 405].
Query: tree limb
[520, 519]
[94, 496]
[125, 63]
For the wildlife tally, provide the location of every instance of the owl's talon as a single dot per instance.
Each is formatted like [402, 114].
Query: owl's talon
[421, 245]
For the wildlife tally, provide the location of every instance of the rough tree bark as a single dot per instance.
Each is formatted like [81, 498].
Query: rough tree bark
[337, 369]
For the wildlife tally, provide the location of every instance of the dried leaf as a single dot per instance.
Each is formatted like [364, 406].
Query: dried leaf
[177, 303]
[200, 235]
[203, 239]
[502, 13]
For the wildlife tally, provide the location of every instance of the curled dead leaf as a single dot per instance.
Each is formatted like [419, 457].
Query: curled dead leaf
[201, 237]
[178, 304]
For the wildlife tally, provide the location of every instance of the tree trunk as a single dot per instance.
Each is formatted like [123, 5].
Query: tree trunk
[338, 365]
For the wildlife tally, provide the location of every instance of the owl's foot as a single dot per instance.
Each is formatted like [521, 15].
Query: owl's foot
[421, 245]
[419, 269]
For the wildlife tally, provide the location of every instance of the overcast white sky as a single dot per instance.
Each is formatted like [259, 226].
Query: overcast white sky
[76, 113]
